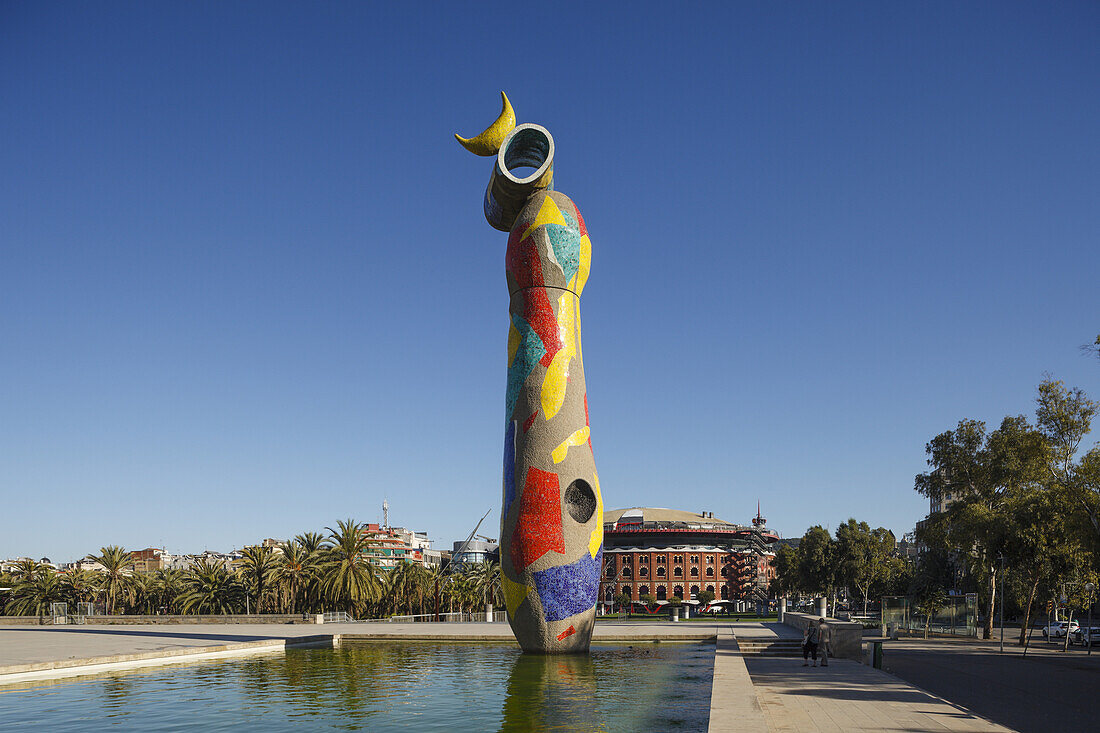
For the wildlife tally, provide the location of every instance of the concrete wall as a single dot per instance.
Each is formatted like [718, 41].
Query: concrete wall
[845, 637]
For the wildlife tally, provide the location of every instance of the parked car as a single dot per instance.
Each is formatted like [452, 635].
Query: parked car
[1078, 636]
[1057, 629]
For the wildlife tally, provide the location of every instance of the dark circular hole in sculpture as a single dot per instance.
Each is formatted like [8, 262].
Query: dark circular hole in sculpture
[526, 153]
[580, 500]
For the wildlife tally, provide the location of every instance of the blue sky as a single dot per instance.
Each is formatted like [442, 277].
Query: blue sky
[247, 287]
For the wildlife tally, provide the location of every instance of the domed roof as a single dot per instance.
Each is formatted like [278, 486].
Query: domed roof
[635, 515]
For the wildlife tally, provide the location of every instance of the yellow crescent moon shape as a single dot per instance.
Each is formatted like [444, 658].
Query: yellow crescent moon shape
[488, 142]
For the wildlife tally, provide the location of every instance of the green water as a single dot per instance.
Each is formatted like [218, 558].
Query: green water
[387, 687]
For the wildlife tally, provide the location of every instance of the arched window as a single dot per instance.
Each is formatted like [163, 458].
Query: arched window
[610, 594]
[643, 559]
[695, 572]
[694, 590]
[710, 559]
[710, 589]
[678, 591]
[661, 559]
[710, 572]
[695, 559]
[626, 572]
[725, 592]
[661, 593]
[643, 572]
[626, 590]
[678, 572]
[677, 558]
[725, 572]
[643, 591]
[660, 572]
[610, 570]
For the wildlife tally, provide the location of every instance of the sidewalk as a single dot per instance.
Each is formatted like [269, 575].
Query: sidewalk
[1048, 690]
[848, 696]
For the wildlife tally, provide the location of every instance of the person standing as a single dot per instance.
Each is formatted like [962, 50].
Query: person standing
[809, 643]
[824, 636]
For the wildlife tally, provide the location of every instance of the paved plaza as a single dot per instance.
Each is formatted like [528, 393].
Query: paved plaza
[1049, 690]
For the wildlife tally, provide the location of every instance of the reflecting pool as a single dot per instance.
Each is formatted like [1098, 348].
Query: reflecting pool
[415, 686]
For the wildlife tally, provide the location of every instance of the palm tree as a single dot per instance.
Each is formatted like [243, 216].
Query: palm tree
[34, 592]
[294, 571]
[81, 586]
[6, 582]
[311, 542]
[117, 566]
[165, 588]
[24, 569]
[405, 588]
[485, 577]
[257, 568]
[209, 588]
[349, 580]
[140, 593]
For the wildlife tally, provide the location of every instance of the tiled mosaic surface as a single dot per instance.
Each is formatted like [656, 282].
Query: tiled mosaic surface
[550, 549]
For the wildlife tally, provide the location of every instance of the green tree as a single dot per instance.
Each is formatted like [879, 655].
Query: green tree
[406, 588]
[208, 587]
[117, 564]
[978, 472]
[81, 586]
[704, 597]
[816, 561]
[349, 580]
[624, 602]
[165, 587]
[1065, 417]
[787, 575]
[295, 569]
[313, 543]
[486, 577]
[258, 566]
[34, 591]
[861, 555]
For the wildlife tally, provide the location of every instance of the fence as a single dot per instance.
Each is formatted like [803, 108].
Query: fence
[957, 617]
[340, 617]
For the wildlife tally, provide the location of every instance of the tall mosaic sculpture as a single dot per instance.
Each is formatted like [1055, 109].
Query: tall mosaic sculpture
[551, 522]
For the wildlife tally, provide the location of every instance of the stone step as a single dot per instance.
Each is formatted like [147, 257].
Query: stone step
[776, 648]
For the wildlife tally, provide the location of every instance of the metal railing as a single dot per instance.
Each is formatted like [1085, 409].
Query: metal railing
[339, 617]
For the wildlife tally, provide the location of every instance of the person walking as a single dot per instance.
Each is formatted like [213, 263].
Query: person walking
[809, 643]
[824, 636]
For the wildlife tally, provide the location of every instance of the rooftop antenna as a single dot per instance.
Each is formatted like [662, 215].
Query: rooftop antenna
[385, 513]
[759, 520]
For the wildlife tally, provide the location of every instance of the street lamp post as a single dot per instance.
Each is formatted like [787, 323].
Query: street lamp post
[1002, 559]
[1090, 587]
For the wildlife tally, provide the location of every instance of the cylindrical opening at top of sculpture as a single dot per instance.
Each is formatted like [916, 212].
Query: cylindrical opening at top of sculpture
[527, 146]
[524, 165]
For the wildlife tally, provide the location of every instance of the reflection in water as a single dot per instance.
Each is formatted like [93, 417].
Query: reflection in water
[631, 688]
[388, 686]
[547, 692]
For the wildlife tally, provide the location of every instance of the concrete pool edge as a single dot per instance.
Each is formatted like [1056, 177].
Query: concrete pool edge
[733, 702]
[18, 673]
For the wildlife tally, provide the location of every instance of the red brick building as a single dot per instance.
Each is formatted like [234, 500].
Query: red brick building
[668, 552]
